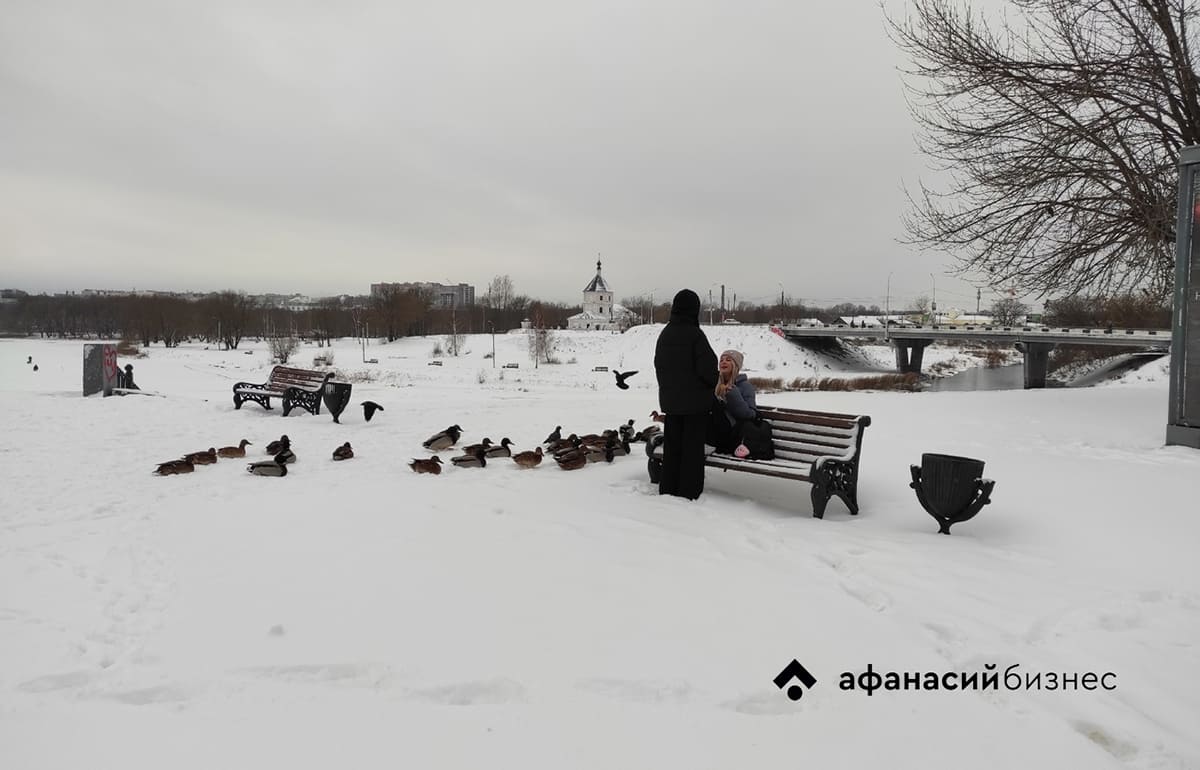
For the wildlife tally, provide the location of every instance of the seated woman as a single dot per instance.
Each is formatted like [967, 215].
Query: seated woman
[733, 401]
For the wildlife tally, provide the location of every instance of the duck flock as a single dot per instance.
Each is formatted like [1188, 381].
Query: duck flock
[570, 453]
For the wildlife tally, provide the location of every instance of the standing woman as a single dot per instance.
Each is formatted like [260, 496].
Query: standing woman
[686, 367]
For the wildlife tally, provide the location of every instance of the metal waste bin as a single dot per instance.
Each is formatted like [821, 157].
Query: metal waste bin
[336, 396]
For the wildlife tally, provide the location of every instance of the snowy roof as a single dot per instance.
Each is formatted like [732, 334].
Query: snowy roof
[597, 283]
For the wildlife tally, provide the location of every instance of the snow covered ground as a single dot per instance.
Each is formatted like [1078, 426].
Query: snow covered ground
[358, 615]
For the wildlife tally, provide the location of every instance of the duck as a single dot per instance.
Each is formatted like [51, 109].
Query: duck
[503, 449]
[286, 456]
[369, 409]
[597, 453]
[171, 467]
[555, 435]
[528, 459]
[444, 439]
[626, 431]
[620, 448]
[476, 460]
[593, 439]
[572, 461]
[485, 445]
[202, 458]
[234, 451]
[275, 467]
[647, 433]
[564, 443]
[275, 447]
[344, 452]
[432, 465]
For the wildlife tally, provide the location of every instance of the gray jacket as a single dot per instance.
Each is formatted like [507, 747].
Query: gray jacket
[739, 400]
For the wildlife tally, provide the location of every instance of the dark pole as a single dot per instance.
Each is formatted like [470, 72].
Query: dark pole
[492, 327]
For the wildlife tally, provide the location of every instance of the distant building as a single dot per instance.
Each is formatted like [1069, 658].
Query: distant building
[444, 295]
[600, 312]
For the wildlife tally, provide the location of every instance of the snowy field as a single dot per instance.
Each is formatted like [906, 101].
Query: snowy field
[359, 615]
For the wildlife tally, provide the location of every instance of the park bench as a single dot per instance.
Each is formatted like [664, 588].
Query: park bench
[297, 387]
[821, 448]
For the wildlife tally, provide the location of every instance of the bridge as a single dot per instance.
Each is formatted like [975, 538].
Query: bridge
[1035, 342]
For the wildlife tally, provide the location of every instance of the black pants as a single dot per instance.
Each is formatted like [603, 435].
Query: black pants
[721, 434]
[683, 455]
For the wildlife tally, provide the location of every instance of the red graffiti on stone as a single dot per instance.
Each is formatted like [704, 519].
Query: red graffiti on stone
[110, 362]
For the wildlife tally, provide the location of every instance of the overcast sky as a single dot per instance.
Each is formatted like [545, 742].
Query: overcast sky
[318, 147]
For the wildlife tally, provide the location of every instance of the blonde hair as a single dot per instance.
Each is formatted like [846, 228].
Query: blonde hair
[725, 381]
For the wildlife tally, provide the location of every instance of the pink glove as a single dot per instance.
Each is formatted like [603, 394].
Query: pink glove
[741, 451]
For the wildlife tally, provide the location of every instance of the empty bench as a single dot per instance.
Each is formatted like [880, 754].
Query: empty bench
[296, 387]
[821, 448]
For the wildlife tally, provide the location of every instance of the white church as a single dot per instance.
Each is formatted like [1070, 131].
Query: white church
[600, 312]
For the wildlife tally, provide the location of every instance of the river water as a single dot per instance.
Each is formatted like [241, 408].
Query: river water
[1012, 376]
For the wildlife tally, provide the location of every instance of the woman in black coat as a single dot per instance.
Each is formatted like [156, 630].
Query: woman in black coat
[686, 367]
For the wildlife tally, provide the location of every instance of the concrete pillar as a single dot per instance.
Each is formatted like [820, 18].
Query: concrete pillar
[1037, 359]
[909, 354]
[1183, 418]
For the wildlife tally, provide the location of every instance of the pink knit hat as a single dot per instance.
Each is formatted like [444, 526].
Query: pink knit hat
[736, 356]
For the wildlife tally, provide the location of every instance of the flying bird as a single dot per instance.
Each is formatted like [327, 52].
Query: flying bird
[621, 377]
[369, 409]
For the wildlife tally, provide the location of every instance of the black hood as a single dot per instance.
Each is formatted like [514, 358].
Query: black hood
[686, 306]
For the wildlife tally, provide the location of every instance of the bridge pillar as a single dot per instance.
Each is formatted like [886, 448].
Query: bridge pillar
[909, 354]
[1037, 359]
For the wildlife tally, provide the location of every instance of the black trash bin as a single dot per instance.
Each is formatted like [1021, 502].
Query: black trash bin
[336, 396]
[951, 489]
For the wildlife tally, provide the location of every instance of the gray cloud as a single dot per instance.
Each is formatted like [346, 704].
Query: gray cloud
[320, 147]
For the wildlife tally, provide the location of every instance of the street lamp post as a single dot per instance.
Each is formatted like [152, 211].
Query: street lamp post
[887, 310]
[933, 299]
[492, 328]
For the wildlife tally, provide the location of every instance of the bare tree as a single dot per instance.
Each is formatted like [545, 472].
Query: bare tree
[1058, 129]
[500, 293]
[283, 347]
[1009, 311]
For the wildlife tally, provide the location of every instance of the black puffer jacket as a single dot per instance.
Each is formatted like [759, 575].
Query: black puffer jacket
[684, 360]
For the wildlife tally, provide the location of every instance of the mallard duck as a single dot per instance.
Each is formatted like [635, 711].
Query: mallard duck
[555, 435]
[500, 450]
[597, 453]
[286, 456]
[344, 452]
[564, 443]
[202, 458]
[573, 461]
[620, 448]
[476, 460]
[647, 433]
[234, 451]
[171, 467]
[275, 447]
[369, 409]
[528, 459]
[593, 439]
[443, 440]
[626, 431]
[471, 449]
[276, 467]
[432, 465]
